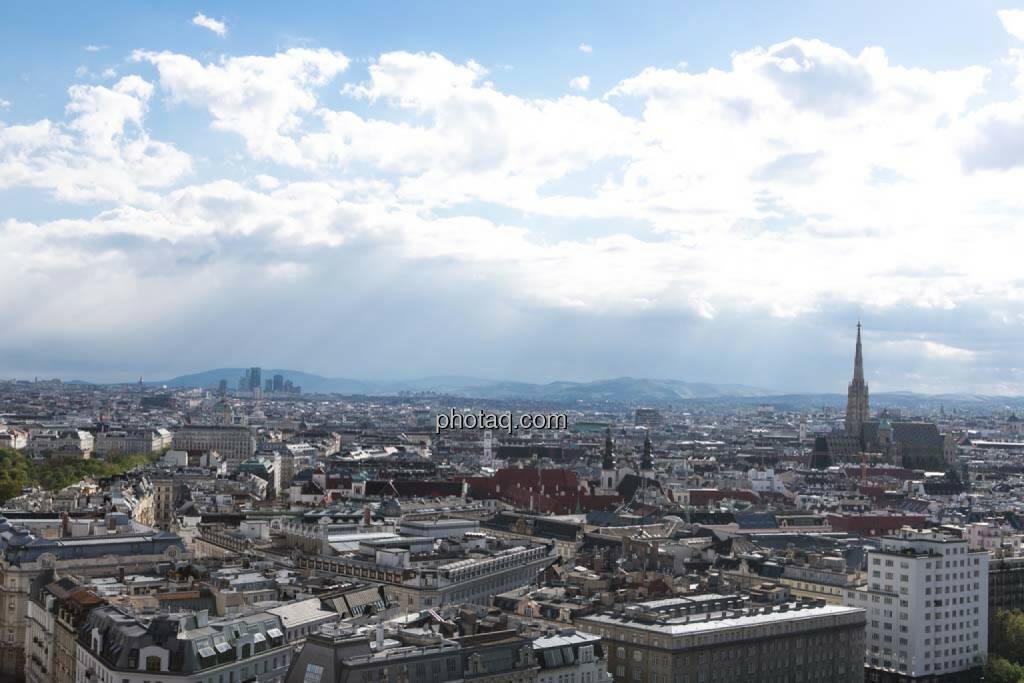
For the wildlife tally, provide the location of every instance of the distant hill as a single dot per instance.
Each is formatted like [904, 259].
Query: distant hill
[906, 400]
[310, 383]
[622, 389]
[618, 390]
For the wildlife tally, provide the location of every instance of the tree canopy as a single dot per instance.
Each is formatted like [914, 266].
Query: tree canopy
[1006, 647]
[17, 471]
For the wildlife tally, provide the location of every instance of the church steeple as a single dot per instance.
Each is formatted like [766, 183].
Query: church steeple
[858, 359]
[647, 463]
[608, 462]
[857, 394]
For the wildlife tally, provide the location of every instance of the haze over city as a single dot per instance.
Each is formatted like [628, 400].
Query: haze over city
[582, 191]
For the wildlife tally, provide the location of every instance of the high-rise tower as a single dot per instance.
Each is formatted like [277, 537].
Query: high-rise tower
[857, 394]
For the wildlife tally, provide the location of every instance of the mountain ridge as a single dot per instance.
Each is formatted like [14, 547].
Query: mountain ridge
[619, 388]
[613, 390]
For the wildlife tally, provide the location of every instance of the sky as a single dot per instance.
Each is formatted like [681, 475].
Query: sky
[712, 192]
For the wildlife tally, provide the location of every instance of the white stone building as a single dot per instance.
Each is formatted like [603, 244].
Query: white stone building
[927, 605]
[144, 440]
[62, 442]
[235, 444]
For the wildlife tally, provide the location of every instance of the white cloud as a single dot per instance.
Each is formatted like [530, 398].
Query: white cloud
[5, 104]
[467, 140]
[267, 182]
[261, 99]
[94, 48]
[581, 83]
[1013, 22]
[102, 152]
[765, 174]
[585, 48]
[218, 27]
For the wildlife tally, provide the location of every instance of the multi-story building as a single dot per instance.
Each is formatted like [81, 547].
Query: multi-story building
[100, 548]
[438, 528]
[13, 438]
[55, 612]
[571, 656]
[255, 378]
[116, 647]
[132, 441]
[1005, 584]
[72, 610]
[268, 468]
[722, 638]
[648, 417]
[165, 493]
[337, 655]
[428, 581]
[828, 579]
[39, 631]
[235, 443]
[927, 604]
[994, 538]
[76, 443]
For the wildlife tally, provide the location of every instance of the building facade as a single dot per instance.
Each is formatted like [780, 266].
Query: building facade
[234, 443]
[37, 545]
[116, 647]
[722, 638]
[472, 580]
[570, 656]
[927, 604]
[132, 441]
[339, 656]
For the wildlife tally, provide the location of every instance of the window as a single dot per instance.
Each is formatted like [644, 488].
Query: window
[313, 673]
[152, 663]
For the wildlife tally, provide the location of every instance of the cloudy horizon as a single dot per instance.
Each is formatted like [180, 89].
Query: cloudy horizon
[671, 193]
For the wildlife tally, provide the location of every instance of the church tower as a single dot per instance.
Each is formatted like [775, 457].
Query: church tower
[857, 395]
[609, 474]
[647, 464]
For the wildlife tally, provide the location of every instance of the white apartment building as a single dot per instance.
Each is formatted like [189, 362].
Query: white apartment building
[926, 603]
[143, 440]
[235, 444]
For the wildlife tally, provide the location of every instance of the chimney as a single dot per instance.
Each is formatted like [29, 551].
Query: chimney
[380, 635]
[65, 524]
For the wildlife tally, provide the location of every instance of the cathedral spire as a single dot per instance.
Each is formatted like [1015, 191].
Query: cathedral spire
[857, 394]
[648, 461]
[858, 359]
